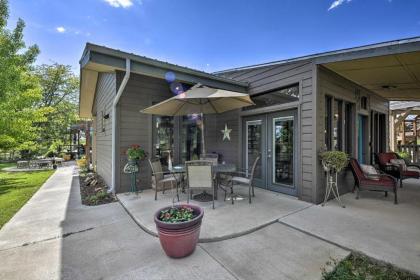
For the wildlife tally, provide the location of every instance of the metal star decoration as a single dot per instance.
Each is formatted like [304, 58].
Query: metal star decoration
[226, 133]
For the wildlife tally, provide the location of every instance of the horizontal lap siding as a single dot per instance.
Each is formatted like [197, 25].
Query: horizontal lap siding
[332, 84]
[105, 92]
[135, 127]
[268, 78]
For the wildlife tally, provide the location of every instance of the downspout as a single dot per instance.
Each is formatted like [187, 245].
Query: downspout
[114, 122]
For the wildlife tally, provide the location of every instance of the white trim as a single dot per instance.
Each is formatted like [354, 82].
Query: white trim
[114, 123]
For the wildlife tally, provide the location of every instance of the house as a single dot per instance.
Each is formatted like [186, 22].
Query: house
[337, 100]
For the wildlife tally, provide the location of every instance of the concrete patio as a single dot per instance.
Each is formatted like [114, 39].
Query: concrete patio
[227, 220]
[55, 237]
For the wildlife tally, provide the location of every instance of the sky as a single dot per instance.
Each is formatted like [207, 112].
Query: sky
[211, 35]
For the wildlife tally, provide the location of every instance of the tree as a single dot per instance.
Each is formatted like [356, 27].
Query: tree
[20, 90]
[60, 91]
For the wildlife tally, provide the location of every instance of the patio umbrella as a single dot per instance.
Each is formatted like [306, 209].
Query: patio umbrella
[200, 100]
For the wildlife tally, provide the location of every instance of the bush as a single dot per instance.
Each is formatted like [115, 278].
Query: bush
[82, 163]
[404, 155]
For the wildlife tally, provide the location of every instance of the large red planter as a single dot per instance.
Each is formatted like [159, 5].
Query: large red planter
[179, 239]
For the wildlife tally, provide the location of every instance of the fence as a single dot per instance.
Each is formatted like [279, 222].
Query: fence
[412, 149]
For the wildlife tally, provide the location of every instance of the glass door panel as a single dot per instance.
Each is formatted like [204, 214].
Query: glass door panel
[282, 152]
[163, 138]
[255, 143]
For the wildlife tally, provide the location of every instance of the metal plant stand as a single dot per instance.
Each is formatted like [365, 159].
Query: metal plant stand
[132, 169]
[332, 187]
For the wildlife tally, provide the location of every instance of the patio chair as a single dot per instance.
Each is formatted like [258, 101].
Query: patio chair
[379, 182]
[245, 178]
[214, 158]
[397, 171]
[161, 178]
[199, 177]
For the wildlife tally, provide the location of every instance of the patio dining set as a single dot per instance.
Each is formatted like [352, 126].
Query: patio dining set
[205, 175]
[39, 163]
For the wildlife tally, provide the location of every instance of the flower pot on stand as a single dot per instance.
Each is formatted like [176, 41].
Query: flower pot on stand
[179, 239]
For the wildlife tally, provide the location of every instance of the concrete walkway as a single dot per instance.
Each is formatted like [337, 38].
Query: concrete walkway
[54, 237]
[372, 225]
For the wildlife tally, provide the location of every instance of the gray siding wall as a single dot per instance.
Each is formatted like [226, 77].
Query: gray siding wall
[105, 92]
[332, 84]
[269, 78]
[135, 127]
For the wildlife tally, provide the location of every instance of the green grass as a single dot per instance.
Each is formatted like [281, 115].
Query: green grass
[358, 267]
[16, 188]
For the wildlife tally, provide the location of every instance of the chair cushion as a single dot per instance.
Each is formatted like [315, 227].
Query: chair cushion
[400, 163]
[370, 171]
[410, 173]
[382, 182]
[385, 158]
[242, 180]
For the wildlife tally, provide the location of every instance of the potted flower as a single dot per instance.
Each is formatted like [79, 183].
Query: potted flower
[178, 228]
[135, 153]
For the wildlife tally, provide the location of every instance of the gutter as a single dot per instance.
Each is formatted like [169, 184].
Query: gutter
[114, 122]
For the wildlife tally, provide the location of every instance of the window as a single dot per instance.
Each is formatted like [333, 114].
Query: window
[328, 122]
[348, 125]
[339, 128]
[378, 133]
[190, 142]
[363, 103]
[279, 96]
[163, 138]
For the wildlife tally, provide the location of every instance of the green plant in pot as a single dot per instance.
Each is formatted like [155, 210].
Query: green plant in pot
[135, 153]
[334, 161]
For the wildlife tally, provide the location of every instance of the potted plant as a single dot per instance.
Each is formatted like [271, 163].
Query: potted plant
[178, 228]
[334, 161]
[135, 153]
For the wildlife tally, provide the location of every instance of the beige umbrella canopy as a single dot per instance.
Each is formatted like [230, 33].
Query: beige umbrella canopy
[200, 100]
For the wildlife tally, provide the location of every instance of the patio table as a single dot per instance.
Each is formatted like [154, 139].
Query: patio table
[217, 169]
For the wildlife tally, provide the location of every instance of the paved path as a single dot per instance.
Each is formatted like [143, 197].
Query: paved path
[54, 237]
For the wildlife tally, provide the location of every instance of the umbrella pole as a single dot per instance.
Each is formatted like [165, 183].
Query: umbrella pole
[203, 144]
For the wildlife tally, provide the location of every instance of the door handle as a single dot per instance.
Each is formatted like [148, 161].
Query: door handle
[269, 153]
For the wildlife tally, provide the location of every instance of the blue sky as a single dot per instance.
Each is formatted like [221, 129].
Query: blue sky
[215, 34]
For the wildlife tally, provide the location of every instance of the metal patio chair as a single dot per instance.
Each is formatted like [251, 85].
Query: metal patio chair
[214, 158]
[244, 178]
[162, 178]
[199, 177]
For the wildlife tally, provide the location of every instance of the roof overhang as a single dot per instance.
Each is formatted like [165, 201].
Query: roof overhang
[98, 59]
[389, 70]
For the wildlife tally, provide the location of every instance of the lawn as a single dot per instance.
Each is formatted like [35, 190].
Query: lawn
[359, 267]
[16, 188]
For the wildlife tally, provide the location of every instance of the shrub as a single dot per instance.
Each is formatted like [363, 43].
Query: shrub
[404, 155]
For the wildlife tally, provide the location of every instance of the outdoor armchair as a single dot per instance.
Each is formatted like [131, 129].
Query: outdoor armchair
[380, 182]
[199, 177]
[162, 178]
[399, 172]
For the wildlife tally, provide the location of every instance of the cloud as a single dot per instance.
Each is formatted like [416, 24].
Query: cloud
[60, 29]
[120, 3]
[337, 3]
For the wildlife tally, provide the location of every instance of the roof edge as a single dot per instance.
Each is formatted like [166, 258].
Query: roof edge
[324, 54]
